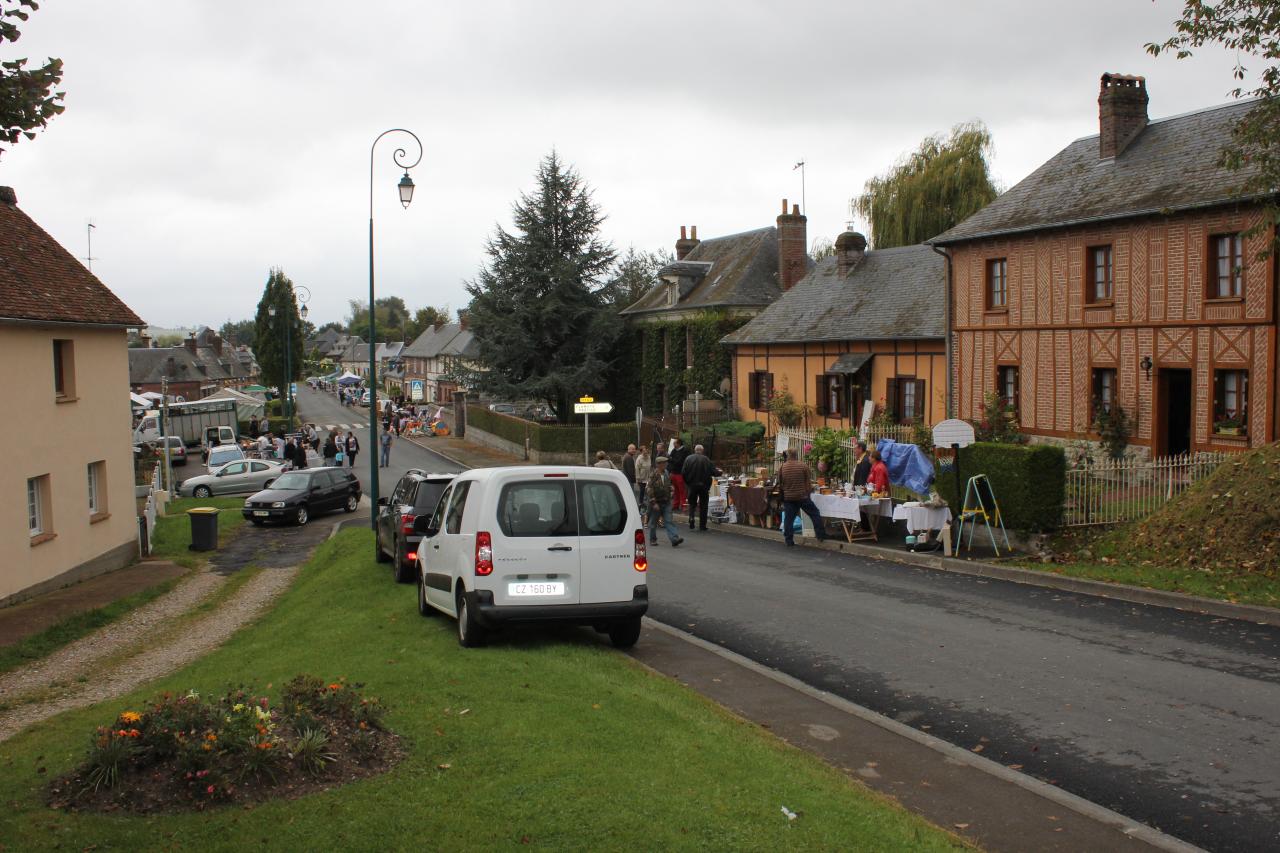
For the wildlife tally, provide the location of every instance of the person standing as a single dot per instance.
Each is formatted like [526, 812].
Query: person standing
[330, 451]
[629, 469]
[353, 447]
[676, 458]
[793, 480]
[697, 473]
[386, 419]
[878, 479]
[603, 461]
[862, 467]
[278, 444]
[385, 441]
[660, 492]
[644, 467]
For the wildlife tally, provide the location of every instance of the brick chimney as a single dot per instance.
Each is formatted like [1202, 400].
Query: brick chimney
[463, 317]
[144, 340]
[851, 248]
[190, 342]
[215, 341]
[686, 243]
[793, 245]
[8, 196]
[1122, 112]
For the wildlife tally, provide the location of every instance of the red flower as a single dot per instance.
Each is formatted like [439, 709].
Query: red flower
[209, 790]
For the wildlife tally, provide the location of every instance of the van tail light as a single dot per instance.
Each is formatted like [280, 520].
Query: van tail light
[406, 523]
[641, 561]
[484, 553]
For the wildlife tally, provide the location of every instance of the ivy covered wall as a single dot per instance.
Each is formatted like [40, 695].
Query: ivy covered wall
[682, 376]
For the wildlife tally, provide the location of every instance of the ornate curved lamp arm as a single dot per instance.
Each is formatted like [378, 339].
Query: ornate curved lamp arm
[398, 156]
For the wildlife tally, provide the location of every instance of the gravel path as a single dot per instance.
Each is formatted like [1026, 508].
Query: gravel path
[54, 679]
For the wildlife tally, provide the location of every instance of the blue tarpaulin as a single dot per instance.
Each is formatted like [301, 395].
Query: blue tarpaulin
[908, 465]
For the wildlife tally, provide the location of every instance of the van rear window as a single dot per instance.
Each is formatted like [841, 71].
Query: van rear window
[601, 511]
[537, 508]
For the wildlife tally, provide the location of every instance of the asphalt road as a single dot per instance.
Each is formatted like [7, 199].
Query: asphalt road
[1170, 718]
[324, 411]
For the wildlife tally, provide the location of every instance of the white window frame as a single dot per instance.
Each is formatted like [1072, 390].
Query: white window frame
[35, 507]
[94, 503]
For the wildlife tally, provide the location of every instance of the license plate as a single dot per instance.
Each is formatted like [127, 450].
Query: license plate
[261, 512]
[529, 588]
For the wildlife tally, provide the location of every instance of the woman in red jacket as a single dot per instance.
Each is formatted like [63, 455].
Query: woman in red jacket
[878, 479]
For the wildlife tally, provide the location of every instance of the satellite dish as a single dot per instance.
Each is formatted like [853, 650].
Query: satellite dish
[953, 432]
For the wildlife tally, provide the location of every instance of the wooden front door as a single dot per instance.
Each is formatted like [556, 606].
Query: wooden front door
[1173, 412]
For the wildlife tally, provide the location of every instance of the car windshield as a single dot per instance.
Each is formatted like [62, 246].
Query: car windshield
[219, 456]
[294, 481]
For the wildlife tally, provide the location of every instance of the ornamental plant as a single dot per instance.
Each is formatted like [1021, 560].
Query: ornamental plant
[829, 454]
[785, 409]
[185, 751]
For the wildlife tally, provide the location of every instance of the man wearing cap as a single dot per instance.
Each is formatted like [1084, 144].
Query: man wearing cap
[659, 495]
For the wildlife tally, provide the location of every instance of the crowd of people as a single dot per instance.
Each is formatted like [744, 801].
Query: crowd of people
[667, 482]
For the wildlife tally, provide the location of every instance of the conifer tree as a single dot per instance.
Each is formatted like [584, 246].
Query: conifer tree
[270, 332]
[541, 324]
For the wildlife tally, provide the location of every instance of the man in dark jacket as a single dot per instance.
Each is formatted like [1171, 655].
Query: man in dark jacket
[629, 468]
[697, 472]
[863, 465]
[675, 462]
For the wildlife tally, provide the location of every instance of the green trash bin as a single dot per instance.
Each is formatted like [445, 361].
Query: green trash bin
[204, 528]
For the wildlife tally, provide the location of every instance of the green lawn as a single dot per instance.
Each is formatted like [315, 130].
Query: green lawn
[564, 744]
[173, 529]
[1238, 589]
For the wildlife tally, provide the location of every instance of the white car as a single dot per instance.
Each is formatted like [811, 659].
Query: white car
[535, 544]
[221, 455]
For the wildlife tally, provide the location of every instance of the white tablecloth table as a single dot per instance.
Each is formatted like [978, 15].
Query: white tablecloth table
[920, 517]
[850, 511]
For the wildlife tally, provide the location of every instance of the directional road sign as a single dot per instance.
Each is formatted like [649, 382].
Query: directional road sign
[592, 408]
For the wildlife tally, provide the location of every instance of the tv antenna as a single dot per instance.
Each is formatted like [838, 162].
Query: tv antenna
[804, 208]
[89, 258]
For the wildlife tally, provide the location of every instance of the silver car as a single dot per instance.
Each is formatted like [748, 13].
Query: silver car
[242, 477]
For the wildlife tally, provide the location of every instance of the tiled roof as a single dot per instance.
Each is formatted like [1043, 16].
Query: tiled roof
[743, 272]
[42, 281]
[892, 293]
[1171, 165]
[431, 342]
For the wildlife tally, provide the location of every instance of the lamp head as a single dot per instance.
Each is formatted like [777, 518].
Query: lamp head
[302, 312]
[406, 189]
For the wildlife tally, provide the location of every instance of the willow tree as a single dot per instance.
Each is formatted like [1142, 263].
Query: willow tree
[936, 186]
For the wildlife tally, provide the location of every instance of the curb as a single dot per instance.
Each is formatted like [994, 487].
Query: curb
[1056, 795]
[464, 466]
[1084, 586]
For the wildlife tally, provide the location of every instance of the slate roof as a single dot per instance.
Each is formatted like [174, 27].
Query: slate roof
[743, 272]
[42, 281]
[392, 349]
[148, 365]
[891, 294]
[1171, 165]
[430, 343]
[462, 345]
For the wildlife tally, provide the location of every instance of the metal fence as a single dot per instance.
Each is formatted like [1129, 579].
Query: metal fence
[1115, 491]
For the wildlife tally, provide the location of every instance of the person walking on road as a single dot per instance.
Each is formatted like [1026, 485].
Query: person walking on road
[644, 467]
[793, 479]
[330, 451]
[676, 458]
[353, 447]
[660, 492]
[697, 473]
[385, 440]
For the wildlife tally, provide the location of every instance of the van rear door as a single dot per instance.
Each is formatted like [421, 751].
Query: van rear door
[536, 556]
[606, 530]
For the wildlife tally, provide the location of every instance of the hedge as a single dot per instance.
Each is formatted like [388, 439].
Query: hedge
[1029, 482]
[274, 407]
[550, 438]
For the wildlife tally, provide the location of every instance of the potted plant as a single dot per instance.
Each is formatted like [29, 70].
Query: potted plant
[1233, 425]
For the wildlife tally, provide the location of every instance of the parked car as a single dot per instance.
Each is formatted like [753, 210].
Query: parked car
[215, 436]
[241, 477]
[503, 408]
[416, 494]
[298, 495]
[176, 449]
[535, 544]
[364, 397]
[221, 455]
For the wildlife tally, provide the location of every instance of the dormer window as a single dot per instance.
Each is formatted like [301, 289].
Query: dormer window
[673, 293]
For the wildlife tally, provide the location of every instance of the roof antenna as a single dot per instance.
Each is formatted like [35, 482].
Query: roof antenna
[89, 258]
[804, 208]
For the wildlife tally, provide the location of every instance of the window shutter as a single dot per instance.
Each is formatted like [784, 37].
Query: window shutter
[891, 397]
[753, 391]
[918, 414]
[820, 405]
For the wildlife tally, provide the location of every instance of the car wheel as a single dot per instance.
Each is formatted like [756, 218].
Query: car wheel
[424, 609]
[403, 570]
[352, 503]
[624, 633]
[302, 515]
[382, 556]
[202, 492]
[470, 634]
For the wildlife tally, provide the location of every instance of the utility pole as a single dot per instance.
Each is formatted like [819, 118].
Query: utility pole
[164, 436]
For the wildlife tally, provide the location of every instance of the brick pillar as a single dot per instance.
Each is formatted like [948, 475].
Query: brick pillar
[793, 243]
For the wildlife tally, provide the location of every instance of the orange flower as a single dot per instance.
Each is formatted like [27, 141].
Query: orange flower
[134, 733]
[363, 725]
[265, 745]
[335, 686]
[130, 717]
[207, 748]
[211, 737]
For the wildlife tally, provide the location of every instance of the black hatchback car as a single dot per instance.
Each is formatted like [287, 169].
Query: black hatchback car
[298, 495]
[416, 494]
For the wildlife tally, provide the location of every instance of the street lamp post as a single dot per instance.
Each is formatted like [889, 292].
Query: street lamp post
[405, 188]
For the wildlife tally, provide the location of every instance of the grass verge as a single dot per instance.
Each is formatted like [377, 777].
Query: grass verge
[546, 738]
[173, 529]
[1093, 553]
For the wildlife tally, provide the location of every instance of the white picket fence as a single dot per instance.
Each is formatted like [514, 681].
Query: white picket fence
[1115, 491]
[147, 521]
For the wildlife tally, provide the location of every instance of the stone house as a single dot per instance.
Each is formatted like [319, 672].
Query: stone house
[202, 364]
[1123, 274]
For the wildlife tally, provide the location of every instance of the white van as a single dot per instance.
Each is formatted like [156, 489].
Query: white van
[532, 544]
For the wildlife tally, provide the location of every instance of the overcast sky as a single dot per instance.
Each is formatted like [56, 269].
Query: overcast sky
[212, 141]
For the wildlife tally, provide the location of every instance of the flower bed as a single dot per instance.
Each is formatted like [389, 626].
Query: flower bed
[187, 752]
